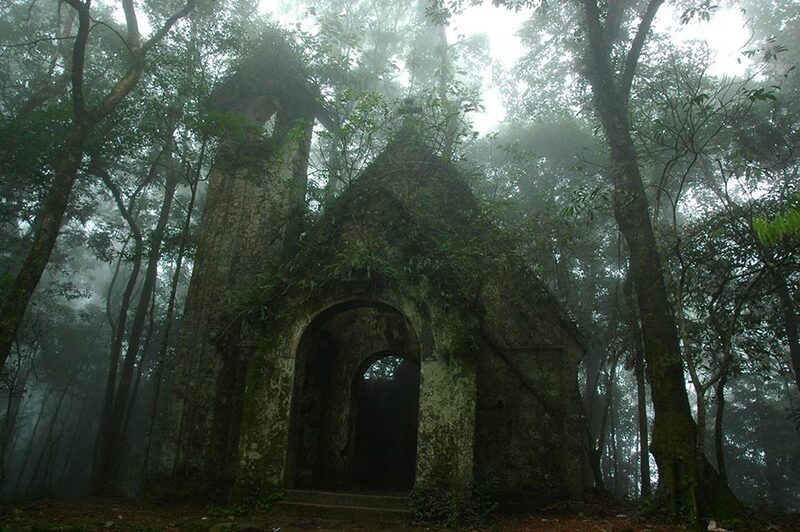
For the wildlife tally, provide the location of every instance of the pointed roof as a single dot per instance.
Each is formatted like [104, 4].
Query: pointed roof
[411, 219]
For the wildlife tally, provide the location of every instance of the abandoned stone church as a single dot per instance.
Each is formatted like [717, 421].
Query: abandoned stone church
[394, 343]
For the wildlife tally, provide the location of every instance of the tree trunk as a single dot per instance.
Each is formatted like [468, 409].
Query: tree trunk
[774, 467]
[104, 427]
[718, 430]
[142, 361]
[173, 291]
[16, 389]
[48, 440]
[123, 444]
[595, 451]
[614, 443]
[595, 414]
[51, 213]
[641, 388]
[110, 437]
[71, 451]
[48, 223]
[789, 318]
[31, 441]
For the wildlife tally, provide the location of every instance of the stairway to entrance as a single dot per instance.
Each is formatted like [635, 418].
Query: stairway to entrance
[384, 507]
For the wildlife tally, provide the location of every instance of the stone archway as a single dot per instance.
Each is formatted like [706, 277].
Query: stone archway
[335, 351]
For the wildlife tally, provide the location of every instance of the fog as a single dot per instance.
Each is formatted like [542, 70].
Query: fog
[504, 92]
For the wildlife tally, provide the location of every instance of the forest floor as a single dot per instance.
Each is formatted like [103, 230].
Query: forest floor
[131, 514]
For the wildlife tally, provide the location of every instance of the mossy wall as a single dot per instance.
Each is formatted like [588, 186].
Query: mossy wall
[265, 426]
[446, 407]
[446, 425]
[528, 425]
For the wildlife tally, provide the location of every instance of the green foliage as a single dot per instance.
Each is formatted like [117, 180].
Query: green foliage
[587, 201]
[365, 119]
[434, 505]
[794, 417]
[702, 11]
[364, 259]
[483, 503]
[268, 501]
[418, 243]
[762, 94]
[242, 140]
[787, 225]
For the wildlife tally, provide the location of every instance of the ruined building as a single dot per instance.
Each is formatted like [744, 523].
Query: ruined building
[400, 344]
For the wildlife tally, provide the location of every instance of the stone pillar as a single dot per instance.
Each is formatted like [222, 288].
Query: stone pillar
[446, 425]
[265, 426]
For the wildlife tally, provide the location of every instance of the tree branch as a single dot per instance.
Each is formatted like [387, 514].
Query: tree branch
[152, 41]
[632, 59]
[124, 85]
[134, 40]
[5, 47]
[113, 30]
[594, 29]
[79, 55]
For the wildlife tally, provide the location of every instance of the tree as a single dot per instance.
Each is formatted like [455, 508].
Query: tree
[85, 119]
[689, 487]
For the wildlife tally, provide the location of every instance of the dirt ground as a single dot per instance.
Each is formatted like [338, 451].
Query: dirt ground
[129, 514]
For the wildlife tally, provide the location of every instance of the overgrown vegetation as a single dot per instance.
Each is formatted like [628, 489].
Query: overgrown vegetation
[432, 505]
[101, 198]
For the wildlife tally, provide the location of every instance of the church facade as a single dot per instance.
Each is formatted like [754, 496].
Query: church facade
[399, 343]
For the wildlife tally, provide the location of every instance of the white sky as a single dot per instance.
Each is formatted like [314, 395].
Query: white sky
[725, 35]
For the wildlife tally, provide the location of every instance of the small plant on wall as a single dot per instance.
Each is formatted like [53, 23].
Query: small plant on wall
[434, 505]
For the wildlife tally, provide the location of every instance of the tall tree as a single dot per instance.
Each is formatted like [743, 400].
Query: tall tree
[688, 486]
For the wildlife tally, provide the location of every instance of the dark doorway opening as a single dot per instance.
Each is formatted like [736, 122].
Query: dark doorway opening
[386, 405]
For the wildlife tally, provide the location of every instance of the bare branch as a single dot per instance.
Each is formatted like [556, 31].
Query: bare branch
[113, 30]
[32, 42]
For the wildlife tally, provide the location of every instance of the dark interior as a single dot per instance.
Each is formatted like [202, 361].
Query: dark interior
[386, 401]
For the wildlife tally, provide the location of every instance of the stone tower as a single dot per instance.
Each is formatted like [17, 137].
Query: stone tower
[251, 222]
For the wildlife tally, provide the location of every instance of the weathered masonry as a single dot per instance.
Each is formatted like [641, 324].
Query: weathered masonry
[401, 344]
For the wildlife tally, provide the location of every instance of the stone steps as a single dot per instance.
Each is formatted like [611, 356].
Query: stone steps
[390, 507]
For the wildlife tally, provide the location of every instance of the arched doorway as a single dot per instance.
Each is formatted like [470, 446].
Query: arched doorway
[385, 404]
[356, 372]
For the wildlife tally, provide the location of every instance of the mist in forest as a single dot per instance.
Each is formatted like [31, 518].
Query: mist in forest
[113, 117]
